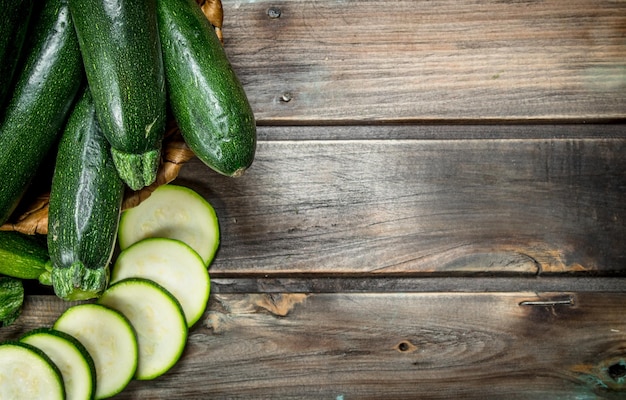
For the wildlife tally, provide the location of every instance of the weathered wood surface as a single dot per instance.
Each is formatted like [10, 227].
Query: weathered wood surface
[521, 345]
[430, 213]
[336, 61]
[410, 206]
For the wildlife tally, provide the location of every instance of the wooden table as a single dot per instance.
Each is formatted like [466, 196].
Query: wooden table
[436, 209]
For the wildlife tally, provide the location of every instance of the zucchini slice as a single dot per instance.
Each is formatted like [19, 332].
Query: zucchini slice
[173, 265]
[72, 359]
[158, 320]
[28, 373]
[175, 212]
[110, 340]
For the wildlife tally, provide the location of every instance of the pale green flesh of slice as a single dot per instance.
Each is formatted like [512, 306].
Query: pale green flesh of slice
[173, 265]
[25, 375]
[158, 320]
[75, 370]
[109, 339]
[173, 212]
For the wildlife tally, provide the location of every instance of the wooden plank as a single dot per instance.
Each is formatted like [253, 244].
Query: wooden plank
[521, 345]
[412, 284]
[389, 207]
[309, 61]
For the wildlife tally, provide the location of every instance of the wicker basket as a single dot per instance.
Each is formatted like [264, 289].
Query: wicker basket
[33, 217]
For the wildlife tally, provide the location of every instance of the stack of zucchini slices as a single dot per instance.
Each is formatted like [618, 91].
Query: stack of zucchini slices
[137, 329]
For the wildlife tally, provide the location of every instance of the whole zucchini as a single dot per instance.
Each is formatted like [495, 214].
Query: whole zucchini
[206, 97]
[24, 256]
[11, 299]
[45, 90]
[13, 27]
[120, 45]
[84, 207]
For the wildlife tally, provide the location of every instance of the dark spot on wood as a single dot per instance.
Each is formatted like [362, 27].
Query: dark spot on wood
[405, 347]
[274, 12]
[617, 372]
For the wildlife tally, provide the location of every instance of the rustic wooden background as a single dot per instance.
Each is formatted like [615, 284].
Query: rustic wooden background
[436, 210]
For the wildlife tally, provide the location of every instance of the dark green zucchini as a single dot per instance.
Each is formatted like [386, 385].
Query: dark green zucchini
[44, 92]
[24, 256]
[13, 27]
[11, 299]
[84, 208]
[120, 45]
[206, 96]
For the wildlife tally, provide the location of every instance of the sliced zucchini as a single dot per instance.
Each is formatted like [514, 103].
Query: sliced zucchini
[174, 212]
[72, 359]
[27, 373]
[110, 340]
[173, 265]
[157, 318]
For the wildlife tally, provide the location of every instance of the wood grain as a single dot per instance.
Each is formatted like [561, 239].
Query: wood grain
[436, 209]
[335, 61]
[520, 345]
[387, 207]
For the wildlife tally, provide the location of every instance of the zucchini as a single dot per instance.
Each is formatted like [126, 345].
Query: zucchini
[174, 212]
[11, 300]
[120, 45]
[84, 208]
[45, 90]
[207, 99]
[24, 256]
[13, 27]
[173, 265]
[70, 356]
[109, 338]
[27, 373]
[158, 320]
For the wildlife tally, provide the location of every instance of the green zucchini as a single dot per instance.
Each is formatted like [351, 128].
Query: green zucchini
[24, 256]
[174, 212]
[171, 264]
[109, 338]
[84, 207]
[158, 319]
[11, 300]
[70, 356]
[26, 372]
[13, 27]
[120, 45]
[44, 92]
[207, 99]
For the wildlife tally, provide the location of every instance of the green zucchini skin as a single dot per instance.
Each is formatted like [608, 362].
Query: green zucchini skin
[24, 256]
[84, 208]
[207, 99]
[14, 21]
[121, 50]
[44, 92]
[11, 299]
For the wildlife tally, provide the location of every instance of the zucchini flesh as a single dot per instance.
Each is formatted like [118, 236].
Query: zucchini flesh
[158, 320]
[110, 340]
[72, 359]
[44, 92]
[173, 265]
[24, 257]
[27, 373]
[13, 27]
[84, 208]
[206, 96]
[120, 45]
[174, 212]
